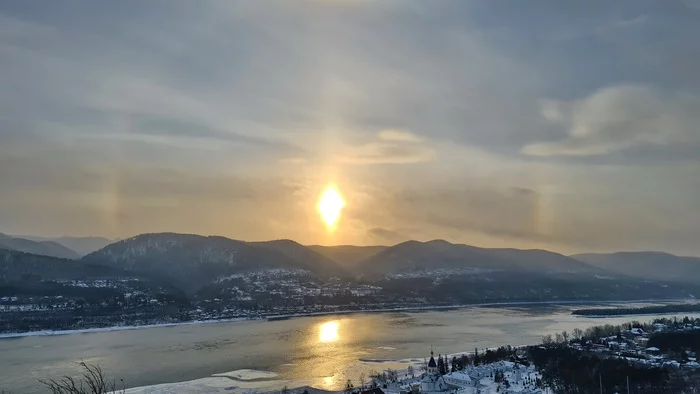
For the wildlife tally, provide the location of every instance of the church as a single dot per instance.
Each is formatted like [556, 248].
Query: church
[432, 382]
[435, 383]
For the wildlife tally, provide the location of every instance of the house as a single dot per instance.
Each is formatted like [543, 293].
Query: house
[458, 379]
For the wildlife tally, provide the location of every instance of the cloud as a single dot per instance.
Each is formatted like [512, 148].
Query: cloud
[390, 147]
[427, 115]
[618, 118]
[169, 127]
[606, 28]
[398, 135]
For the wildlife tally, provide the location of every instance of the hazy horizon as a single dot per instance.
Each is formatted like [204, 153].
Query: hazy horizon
[359, 245]
[570, 128]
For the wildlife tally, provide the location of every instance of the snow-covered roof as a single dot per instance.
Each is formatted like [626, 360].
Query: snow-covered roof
[431, 378]
[459, 375]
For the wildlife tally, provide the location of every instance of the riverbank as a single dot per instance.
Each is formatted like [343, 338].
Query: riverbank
[332, 313]
[657, 309]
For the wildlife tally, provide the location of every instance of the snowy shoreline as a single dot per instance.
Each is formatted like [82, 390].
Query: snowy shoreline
[244, 382]
[330, 313]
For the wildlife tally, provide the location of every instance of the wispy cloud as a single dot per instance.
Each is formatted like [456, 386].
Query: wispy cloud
[399, 135]
[618, 118]
[389, 147]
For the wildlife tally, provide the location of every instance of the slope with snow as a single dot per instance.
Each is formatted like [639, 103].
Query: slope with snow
[193, 261]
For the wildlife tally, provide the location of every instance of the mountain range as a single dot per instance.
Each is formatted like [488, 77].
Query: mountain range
[16, 266]
[413, 256]
[169, 277]
[80, 245]
[44, 248]
[193, 261]
[649, 265]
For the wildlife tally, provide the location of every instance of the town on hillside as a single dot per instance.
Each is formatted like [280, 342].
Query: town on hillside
[654, 357]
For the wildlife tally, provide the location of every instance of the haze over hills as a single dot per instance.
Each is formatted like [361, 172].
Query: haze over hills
[544, 260]
[19, 266]
[81, 245]
[45, 248]
[648, 265]
[348, 256]
[320, 263]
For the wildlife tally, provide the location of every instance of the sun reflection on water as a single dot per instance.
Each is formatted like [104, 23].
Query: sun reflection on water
[330, 350]
[328, 332]
[328, 382]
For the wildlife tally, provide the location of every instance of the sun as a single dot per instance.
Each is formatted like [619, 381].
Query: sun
[330, 204]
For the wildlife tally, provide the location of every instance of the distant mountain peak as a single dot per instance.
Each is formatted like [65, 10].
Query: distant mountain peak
[80, 245]
[443, 255]
[648, 265]
[42, 248]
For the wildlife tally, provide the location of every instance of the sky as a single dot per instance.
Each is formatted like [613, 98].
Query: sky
[568, 126]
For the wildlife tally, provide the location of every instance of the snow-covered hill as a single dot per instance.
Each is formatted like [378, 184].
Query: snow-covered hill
[192, 261]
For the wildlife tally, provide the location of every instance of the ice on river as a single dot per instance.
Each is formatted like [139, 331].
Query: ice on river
[239, 381]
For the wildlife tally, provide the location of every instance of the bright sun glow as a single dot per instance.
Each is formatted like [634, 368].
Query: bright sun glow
[329, 206]
[328, 332]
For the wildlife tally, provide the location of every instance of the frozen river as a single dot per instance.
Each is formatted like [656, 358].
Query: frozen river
[320, 351]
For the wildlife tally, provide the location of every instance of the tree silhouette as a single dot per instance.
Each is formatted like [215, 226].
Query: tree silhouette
[93, 381]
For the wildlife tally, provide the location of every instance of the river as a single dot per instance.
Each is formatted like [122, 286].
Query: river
[322, 351]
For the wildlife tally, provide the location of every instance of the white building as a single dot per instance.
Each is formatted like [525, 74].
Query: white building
[458, 379]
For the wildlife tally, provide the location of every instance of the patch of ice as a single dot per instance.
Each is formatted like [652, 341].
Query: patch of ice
[204, 385]
[247, 375]
[380, 361]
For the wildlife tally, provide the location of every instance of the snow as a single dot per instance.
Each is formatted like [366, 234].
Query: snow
[238, 382]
